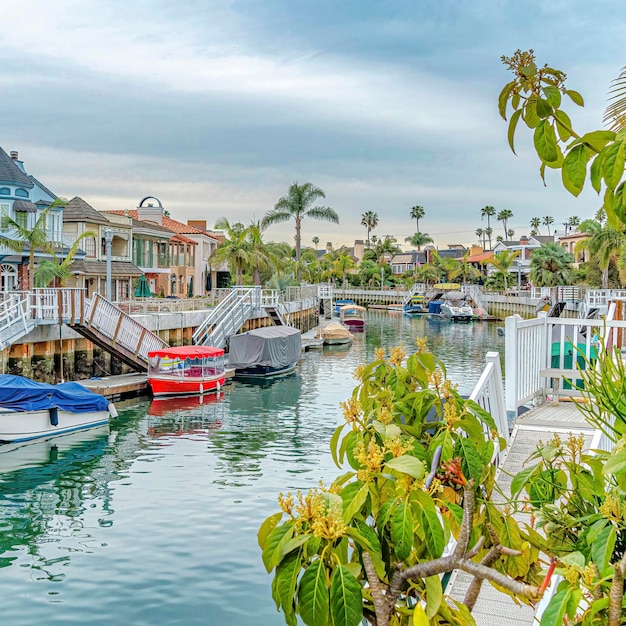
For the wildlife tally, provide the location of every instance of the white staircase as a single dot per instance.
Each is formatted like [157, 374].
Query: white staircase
[228, 317]
[416, 289]
[476, 295]
[15, 319]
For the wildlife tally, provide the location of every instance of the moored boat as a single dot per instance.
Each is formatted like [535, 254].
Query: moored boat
[340, 303]
[186, 370]
[334, 334]
[265, 352]
[456, 308]
[31, 410]
[352, 316]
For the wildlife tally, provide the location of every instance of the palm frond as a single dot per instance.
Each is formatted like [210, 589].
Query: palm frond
[615, 112]
[323, 213]
[276, 215]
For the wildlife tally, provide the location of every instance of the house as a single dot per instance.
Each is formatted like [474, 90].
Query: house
[570, 241]
[407, 261]
[23, 198]
[90, 273]
[525, 247]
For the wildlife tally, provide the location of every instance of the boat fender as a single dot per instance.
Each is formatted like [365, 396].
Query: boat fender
[201, 389]
[54, 416]
[112, 410]
[218, 386]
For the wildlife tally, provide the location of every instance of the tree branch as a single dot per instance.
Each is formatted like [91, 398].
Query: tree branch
[377, 588]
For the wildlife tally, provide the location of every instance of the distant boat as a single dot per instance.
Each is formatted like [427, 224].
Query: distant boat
[265, 352]
[352, 316]
[334, 334]
[31, 410]
[339, 304]
[185, 370]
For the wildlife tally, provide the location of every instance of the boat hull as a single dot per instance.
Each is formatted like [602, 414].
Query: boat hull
[16, 426]
[354, 324]
[264, 371]
[174, 386]
[336, 341]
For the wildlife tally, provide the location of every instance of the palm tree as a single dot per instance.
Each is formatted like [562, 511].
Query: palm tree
[341, 265]
[419, 239]
[298, 204]
[551, 266]
[36, 238]
[535, 222]
[571, 223]
[615, 113]
[480, 233]
[260, 258]
[369, 219]
[503, 261]
[604, 245]
[428, 273]
[548, 220]
[386, 246]
[234, 249]
[417, 213]
[510, 233]
[489, 232]
[461, 268]
[504, 216]
[315, 241]
[49, 271]
[488, 212]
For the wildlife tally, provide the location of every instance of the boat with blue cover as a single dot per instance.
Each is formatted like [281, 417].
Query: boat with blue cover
[339, 304]
[32, 410]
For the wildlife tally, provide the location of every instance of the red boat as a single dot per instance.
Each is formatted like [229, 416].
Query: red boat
[186, 370]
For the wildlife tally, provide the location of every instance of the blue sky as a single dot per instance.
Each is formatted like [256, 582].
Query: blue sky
[217, 107]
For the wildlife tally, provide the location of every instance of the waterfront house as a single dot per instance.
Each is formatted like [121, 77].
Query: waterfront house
[570, 241]
[407, 261]
[90, 273]
[525, 247]
[23, 198]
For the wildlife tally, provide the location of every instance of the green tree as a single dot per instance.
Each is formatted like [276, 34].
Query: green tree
[463, 270]
[315, 241]
[342, 263]
[480, 233]
[548, 221]
[419, 239]
[503, 262]
[604, 244]
[489, 232]
[417, 213]
[34, 238]
[504, 216]
[298, 204]
[573, 221]
[369, 219]
[384, 247]
[488, 212]
[368, 270]
[551, 266]
[535, 222]
[234, 249]
[49, 271]
[428, 273]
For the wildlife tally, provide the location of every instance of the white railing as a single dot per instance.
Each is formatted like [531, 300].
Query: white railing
[15, 321]
[325, 291]
[474, 292]
[489, 393]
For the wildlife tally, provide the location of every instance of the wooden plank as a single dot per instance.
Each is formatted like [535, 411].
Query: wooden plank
[140, 340]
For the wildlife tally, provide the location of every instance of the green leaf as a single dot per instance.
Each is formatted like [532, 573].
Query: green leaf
[545, 142]
[407, 464]
[286, 580]
[598, 139]
[354, 505]
[419, 616]
[349, 440]
[503, 98]
[602, 548]
[402, 531]
[596, 173]
[471, 463]
[575, 97]
[334, 440]
[433, 530]
[273, 549]
[543, 108]
[555, 611]
[294, 543]
[267, 527]
[530, 116]
[346, 601]
[313, 598]
[563, 125]
[616, 463]
[619, 203]
[613, 165]
[574, 169]
[520, 479]
[553, 95]
[434, 595]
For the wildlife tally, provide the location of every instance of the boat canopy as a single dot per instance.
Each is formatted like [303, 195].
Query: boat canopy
[352, 307]
[22, 394]
[187, 352]
[272, 346]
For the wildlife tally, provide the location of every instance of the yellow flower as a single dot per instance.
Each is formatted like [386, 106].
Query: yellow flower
[435, 378]
[329, 524]
[384, 414]
[352, 410]
[286, 503]
[397, 447]
[397, 356]
[372, 458]
[358, 372]
[421, 343]
[380, 354]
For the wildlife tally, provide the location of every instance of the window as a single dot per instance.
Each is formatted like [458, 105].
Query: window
[89, 245]
[5, 191]
[21, 217]
[21, 193]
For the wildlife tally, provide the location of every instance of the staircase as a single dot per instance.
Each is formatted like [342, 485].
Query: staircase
[416, 289]
[476, 295]
[275, 315]
[228, 317]
[111, 329]
[325, 295]
[15, 319]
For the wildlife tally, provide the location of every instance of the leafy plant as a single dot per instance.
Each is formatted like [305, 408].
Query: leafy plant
[414, 503]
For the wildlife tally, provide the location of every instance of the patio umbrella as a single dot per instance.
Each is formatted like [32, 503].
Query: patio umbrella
[143, 288]
[190, 290]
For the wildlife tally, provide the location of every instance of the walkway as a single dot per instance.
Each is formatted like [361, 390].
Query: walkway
[531, 428]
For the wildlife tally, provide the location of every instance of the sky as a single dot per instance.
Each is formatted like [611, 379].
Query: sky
[216, 107]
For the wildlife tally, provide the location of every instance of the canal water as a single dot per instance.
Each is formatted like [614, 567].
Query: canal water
[153, 520]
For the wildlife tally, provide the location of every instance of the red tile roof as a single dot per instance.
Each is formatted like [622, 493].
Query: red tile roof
[480, 257]
[168, 222]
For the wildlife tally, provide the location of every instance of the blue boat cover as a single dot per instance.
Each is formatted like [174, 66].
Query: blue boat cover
[23, 394]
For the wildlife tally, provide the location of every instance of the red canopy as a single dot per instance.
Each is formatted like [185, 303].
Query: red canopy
[184, 352]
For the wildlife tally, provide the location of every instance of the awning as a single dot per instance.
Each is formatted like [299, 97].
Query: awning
[24, 206]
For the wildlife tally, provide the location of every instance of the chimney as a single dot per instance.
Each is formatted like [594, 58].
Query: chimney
[199, 224]
[523, 240]
[150, 212]
[14, 155]
[359, 249]
[329, 247]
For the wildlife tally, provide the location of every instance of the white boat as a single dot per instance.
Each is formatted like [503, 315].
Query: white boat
[457, 311]
[31, 410]
[352, 316]
[334, 334]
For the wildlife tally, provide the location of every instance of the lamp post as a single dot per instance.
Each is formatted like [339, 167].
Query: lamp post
[108, 238]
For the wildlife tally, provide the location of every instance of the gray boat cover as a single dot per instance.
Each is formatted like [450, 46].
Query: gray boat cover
[272, 346]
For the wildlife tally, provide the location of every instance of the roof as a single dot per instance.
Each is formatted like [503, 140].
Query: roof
[11, 173]
[77, 210]
[178, 352]
[41, 186]
[152, 226]
[99, 268]
[481, 257]
[168, 222]
[24, 206]
[412, 256]
[184, 239]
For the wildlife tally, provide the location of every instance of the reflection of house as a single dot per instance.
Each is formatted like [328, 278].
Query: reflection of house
[569, 242]
[90, 273]
[407, 261]
[23, 198]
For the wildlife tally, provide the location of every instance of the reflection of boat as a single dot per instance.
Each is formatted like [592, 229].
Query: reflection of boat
[163, 406]
[31, 410]
[340, 303]
[265, 352]
[353, 316]
[335, 334]
[185, 370]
